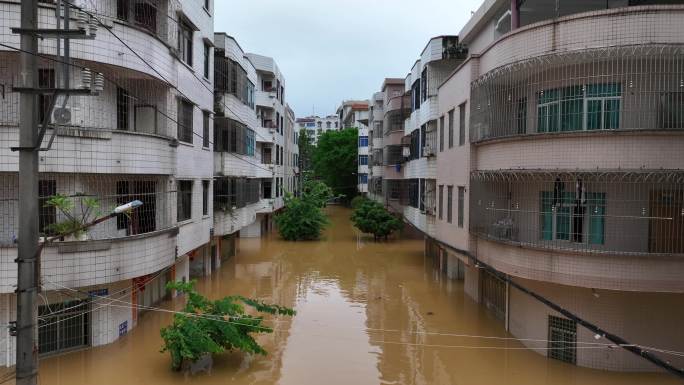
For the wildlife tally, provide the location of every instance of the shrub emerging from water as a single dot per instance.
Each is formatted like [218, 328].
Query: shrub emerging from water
[301, 220]
[211, 327]
[371, 217]
[357, 201]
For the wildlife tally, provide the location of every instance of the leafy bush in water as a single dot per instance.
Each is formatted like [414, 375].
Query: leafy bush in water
[357, 201]
[302, 219]
[371, 217]
[210, 327]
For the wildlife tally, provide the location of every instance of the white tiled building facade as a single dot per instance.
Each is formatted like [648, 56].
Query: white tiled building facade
[544, 143]
[315, 126]
[149, 134]
[355, 114]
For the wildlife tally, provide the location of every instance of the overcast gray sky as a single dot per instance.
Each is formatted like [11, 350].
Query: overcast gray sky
[330, 50]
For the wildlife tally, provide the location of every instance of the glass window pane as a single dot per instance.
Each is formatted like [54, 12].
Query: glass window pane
[594, 114]
[612, 114]
[563, 223]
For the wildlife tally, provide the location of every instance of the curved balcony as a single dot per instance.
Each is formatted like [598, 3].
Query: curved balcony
[597, 73]
[398, 103]
[566, 227]
[120, 248]
[634, 25]
[151, 36]
[97, 262]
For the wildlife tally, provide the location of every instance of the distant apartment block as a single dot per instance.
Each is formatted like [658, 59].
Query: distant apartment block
[316, 126]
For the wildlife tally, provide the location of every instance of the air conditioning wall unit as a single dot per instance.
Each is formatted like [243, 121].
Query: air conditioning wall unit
[65, 116]
[428, 151]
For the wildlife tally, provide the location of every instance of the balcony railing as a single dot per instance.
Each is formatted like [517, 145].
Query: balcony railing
[235, 193]
[605, 212]
[84, 198]
[617, 88]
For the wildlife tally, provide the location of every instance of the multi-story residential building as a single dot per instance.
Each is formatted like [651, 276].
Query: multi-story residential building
[136, 126]
[557, 136]
[375, 132]
[291, 167]
[420, 130]
[354, 114]
[396, 109]
[156, 99]
[315, 126]
[271, 114]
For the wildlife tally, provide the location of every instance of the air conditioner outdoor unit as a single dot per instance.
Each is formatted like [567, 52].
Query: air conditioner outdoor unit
[428, 151]
[272, 130]
[64, 116]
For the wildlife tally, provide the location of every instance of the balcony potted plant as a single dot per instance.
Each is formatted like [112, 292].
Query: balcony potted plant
[72, 228]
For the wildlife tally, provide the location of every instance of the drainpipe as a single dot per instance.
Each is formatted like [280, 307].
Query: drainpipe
[515, 15]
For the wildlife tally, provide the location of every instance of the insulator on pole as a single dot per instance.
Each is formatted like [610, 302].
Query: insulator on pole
[86, 78]
[98, 85]
[82, 20]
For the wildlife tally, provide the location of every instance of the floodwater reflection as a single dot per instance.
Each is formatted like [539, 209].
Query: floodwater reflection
[363, 311]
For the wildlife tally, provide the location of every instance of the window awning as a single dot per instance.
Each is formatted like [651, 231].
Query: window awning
[185, 19]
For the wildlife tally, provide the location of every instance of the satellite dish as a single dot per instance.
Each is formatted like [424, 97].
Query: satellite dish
[62, 115]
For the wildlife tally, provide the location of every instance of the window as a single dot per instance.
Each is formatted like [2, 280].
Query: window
[522, 115]
[206, 119]
[562, 339]
[572, 216]
[450, 204]
[575, 108]
[185, 110]
[461, 205]
[145, 15]
[144, 218]
[451, 129]
[205, 197]
[277, 154]
[363, 141]
[64, 326]
[207, 5]
[122, 9]
[441, 201]
[461, 124]
[672, 109]
[363, 178]
[266, 189]
[415, 93]
[46, 79]
[207, 60]
[122, 109]
[363, 160]
[185, 42]
[184, 200]
[424, 85]
[328, 125]
[441, 133]
[413, 193]
[47, 216]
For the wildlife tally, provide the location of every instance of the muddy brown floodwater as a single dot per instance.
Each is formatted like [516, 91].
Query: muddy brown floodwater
[362, 313]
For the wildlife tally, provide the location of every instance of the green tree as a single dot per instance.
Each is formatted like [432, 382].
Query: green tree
[335, 161]
[306, 149]
[301, 219]
[371, 217]
[211, 327]
[317, 192]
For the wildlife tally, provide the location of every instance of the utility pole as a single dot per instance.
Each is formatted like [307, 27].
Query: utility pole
[27, 263]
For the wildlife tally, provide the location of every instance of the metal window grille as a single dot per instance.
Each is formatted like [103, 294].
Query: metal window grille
[184, 200]
[63, 326]
[185, 112]
[618, 212]
[450, 203]
[562, 339]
